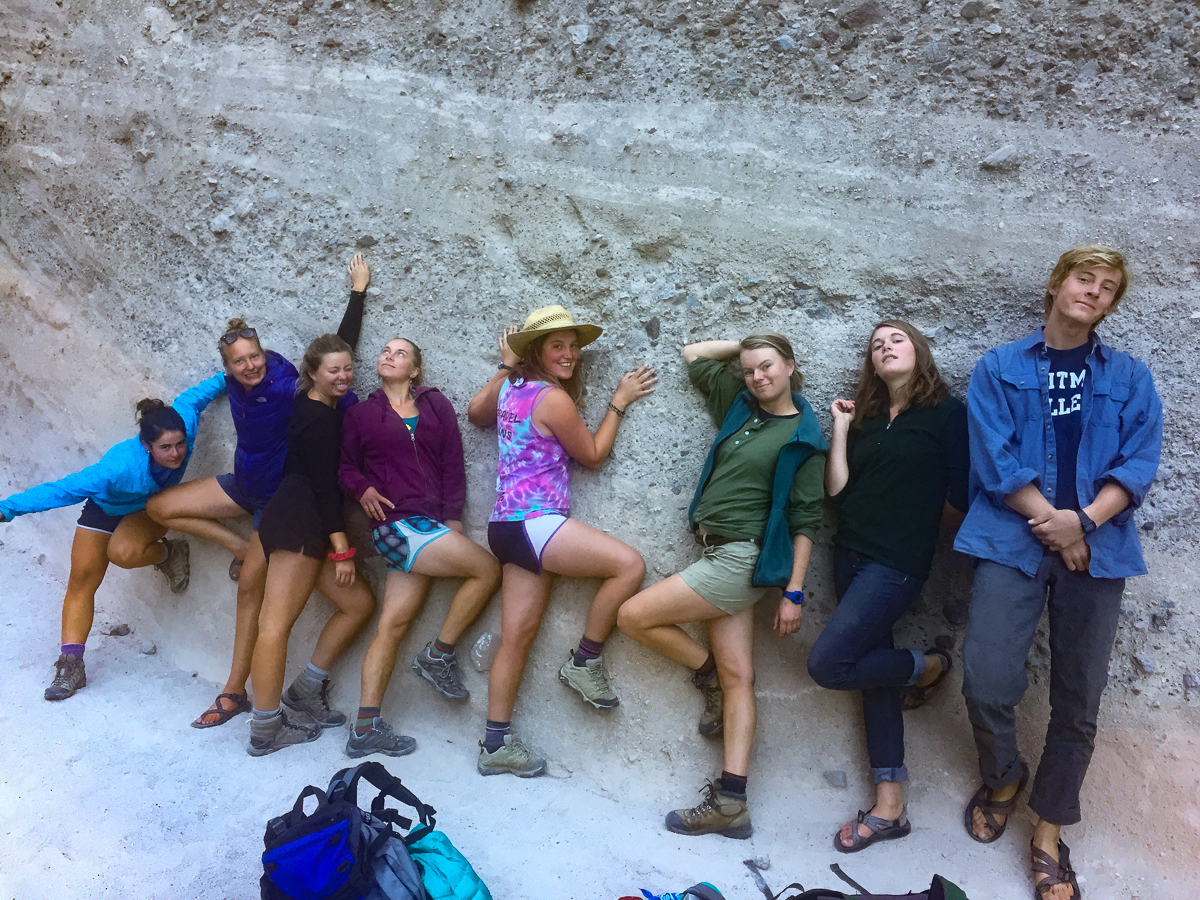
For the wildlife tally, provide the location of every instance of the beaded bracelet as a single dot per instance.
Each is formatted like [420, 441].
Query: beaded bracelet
[619, 412]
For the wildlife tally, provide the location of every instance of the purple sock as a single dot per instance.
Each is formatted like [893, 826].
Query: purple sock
[73, 650]
[588, 649]
[493, 737]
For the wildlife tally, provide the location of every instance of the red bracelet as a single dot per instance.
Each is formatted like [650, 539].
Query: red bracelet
[342, 557]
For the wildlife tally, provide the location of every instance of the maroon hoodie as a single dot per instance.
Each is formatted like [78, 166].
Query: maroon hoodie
[421, 474]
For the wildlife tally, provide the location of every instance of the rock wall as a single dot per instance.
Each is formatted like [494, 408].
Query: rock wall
[676, 171]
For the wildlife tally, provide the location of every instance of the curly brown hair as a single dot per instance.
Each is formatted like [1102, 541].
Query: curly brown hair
[926, 387]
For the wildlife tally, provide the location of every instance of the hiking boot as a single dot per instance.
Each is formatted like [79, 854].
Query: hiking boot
[718, 813]
[380, 739]
[712, 720]
[277, 732]
[442, 672]
[513, 758]
[68, 677]
[590, 680]
[176, 566]
[314, 704]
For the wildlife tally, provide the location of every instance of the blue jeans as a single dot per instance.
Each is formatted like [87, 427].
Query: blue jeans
[1006, 605]
[856, 652]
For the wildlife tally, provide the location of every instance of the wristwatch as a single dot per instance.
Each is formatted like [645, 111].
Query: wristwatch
[1085, 521]
[796, 597]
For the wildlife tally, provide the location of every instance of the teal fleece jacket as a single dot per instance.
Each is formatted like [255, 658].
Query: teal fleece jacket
[775, 561]
[121, 481]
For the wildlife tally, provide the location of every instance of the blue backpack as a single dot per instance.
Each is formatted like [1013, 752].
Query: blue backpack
[339, 851]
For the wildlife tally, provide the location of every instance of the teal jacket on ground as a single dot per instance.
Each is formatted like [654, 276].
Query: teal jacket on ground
[775, 561]
[121, 481]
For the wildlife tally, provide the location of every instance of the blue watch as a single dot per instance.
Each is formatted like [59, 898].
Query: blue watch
[796, 597]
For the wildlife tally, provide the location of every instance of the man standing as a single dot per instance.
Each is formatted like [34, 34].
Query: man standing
[1065, 438]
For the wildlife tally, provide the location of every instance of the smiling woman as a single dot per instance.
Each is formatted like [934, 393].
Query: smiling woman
[114, 526]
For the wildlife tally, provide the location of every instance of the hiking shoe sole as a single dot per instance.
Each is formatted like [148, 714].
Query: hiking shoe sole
[504, 770]
[738, 832]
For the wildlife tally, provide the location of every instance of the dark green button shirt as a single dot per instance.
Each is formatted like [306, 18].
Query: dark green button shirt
[901, 474]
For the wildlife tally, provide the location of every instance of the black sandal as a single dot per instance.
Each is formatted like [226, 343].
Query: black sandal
[982, 800]
[881, 830]
[1058, 871]
[242, 704]
[914, 696]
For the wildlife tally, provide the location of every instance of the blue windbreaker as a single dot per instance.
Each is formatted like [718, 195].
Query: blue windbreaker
[121, 481]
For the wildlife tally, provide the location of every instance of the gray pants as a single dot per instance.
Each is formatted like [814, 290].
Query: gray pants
[1005, 607]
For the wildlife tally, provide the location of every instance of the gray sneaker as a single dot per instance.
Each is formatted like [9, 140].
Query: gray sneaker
[590, 680]
[277, 732]
[380, 739]
[712, 720]
[68, 677]
[314, 704]
[513, 758]
[176, 566]
[441, 672]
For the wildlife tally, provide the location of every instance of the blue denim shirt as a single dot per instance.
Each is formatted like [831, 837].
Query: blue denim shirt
[1012, 445]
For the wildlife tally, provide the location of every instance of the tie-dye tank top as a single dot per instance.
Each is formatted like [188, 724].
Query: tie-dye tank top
[532, 477]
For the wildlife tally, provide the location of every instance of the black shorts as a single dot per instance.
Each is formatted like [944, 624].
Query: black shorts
[93, 518]
[523, 541]
[291, 521]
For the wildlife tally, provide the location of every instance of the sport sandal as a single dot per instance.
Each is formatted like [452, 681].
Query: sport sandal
[913, 696]
[241, 704]
[982, 800]
[881, 830]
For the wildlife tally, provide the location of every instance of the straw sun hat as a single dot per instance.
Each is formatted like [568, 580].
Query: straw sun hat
[548, 319]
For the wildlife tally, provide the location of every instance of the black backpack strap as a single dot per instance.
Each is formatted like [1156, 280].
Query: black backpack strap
[837, 870]
[814, 894]
[344, 786]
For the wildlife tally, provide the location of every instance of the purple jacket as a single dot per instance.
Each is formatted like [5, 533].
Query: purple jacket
[421, 474]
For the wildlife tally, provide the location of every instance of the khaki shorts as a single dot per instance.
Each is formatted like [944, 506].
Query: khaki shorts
[722, 576]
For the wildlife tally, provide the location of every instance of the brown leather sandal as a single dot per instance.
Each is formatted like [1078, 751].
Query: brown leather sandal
[1057, 871]
[982, 801]
[241, 704]
[914, 696]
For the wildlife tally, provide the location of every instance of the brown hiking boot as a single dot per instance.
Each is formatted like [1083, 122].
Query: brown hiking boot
[68, 677]
[712, 720]
[718, 813]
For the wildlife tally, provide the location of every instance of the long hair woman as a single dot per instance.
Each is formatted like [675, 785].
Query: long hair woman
[756, 511]
[262, 393]
[402, 459]
[303, 535]
[532, 400]
[114, 526]
[897, 468]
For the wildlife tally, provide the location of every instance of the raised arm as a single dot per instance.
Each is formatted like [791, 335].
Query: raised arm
[557, 415]
[711, 350]
[360, 277]
[194, 400]
[837, 465]
[481, 411]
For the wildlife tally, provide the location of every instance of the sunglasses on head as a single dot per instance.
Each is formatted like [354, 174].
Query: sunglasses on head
[230, 336]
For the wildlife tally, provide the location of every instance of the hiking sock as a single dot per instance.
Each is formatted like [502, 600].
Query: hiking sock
[493, 738]
[262, 715]
[366, 720]
[587, 649]
[440, 649]
[710, 666]
[309, 681]
[732, 784]
[73, 650]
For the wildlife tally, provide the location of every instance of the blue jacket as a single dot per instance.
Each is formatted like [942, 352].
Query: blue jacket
[121, 481]
[777, 555]
[260, 417]
[1012, 445]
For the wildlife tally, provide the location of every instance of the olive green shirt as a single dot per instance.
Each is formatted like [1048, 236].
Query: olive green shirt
[737, 499]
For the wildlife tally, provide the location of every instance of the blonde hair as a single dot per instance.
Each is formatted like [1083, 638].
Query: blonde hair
[313, 356]
[230, 327]
[773, 340]
[1087, 255]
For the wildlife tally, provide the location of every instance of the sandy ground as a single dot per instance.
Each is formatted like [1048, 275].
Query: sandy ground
[111, 794]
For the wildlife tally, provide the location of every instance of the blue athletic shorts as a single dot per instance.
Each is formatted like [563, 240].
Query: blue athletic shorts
[93, 518]
[399, 542]
[229, 485]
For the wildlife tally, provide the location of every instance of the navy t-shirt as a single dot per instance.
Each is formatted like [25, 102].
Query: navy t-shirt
[1068, 371]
